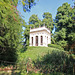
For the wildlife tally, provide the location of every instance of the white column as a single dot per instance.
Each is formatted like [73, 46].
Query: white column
[46, 40]
[34, 40]
[50, 39]
[30, 41]
[39, 43]
[43, 40]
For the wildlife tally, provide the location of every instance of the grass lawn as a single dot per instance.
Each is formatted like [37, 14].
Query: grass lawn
[35, 52]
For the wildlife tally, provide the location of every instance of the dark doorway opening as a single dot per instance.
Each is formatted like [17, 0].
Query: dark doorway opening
[32, 41]
[36, 40]
[41, 40]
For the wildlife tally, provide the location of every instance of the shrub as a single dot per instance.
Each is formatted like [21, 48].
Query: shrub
[55, 46]
[55, 57]
[56, 61]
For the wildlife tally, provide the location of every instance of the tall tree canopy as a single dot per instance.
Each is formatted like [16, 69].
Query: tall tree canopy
[48, 21]
[34, 21]
[65, 28]
[27, 4]
[11, 28]
[26, 35]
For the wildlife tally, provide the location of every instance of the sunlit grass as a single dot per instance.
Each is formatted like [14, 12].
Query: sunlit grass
[35, 52]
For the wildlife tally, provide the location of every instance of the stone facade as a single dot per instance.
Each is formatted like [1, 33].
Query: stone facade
[40, 36]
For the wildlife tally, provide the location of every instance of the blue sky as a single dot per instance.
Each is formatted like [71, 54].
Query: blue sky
[43, 6]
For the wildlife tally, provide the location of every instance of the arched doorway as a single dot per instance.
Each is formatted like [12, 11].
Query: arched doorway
[36, 40]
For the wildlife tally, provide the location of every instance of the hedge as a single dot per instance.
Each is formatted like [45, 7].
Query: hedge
[55, 46]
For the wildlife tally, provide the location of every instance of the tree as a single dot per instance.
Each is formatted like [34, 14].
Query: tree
[27, 4]
[26, 35]
[34, 21]
[48, 21]
[10, 30]
[65, 33]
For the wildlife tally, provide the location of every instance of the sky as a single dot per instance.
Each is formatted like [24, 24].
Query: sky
[41, 7]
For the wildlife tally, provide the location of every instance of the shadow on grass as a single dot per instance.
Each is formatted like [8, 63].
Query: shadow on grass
[23, 49]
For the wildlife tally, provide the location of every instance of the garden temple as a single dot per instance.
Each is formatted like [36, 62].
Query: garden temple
[40, 36]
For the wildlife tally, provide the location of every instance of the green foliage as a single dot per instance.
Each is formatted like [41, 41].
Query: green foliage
[50, 61]
[27, 4]
[55, 46]
[26, 35]
[12, 2]
[53, 57]
[58, 73]
[35, 52]
[56, 61]
[10, 30]
[65, 25]
[35, 73]
[47, 15]
[35, 22]
[48, 21]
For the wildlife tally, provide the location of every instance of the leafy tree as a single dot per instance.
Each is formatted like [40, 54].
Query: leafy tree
[48, 21]
[11, 28]
[27, 4]
[65, 33]
[10, 31]
[34, 21]
[26, 35]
